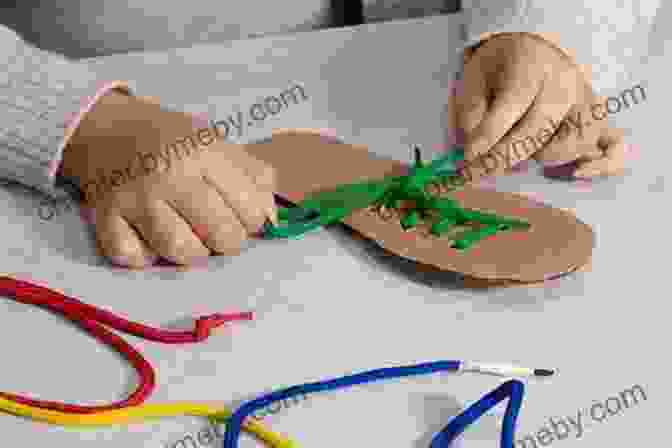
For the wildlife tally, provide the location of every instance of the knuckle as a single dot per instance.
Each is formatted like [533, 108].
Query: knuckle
[256, 220]
[228, 239]
[126, 250]
[270, 175]
[179, 249]
[265, 175]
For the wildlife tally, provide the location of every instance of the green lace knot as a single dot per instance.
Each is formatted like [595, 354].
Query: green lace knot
[397, 193]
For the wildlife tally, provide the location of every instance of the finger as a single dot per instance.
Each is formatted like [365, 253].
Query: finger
[570, 142]
[613, 162]
[169, 234]
[534, 131]
[516, 94]
[149, 99]
[211, 219]
[524, 139]
[120, 242]
[240, 192]
[575, 136]
[471, 96]
[264, 177]
[610, 136]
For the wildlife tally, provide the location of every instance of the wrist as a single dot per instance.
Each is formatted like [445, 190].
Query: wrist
[91, 127]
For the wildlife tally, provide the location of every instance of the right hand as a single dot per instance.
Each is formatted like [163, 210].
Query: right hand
[515, 87]
[194, 201]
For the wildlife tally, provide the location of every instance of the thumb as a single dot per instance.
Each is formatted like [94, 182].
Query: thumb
[264, 177]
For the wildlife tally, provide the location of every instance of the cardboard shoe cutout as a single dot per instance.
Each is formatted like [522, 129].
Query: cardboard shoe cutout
[492, 238]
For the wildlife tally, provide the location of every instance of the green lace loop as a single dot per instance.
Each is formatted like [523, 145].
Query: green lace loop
[393, 193]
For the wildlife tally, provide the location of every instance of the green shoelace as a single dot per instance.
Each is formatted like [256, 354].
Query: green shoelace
[406, 194]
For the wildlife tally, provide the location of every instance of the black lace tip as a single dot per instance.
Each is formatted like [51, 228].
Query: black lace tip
[418, 157]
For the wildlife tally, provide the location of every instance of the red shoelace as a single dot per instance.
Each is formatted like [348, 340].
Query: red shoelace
[93, 319]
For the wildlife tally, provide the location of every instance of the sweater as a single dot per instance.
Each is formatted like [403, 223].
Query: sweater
[45, 91]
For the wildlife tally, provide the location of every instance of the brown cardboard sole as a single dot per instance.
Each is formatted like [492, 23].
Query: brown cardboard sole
[556, 243]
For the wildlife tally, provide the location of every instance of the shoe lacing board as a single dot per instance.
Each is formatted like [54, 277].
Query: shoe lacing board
[554, 243]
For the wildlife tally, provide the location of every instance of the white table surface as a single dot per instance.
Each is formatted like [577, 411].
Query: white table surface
[328, 306]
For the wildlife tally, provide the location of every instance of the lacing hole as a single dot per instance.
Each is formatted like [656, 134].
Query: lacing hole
[385, 213]
[456, 181]
[424, 232]
[435, 188]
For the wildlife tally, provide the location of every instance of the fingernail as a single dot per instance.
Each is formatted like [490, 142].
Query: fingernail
[586, 173]
[533, 198]
[631, 152]
[522, 166]
[199, 262]
[87, 215]
[200, 231]
[554, 163]
[200, 120]
[487, 182]
[53, 167]
[461, 136]
[120, 260]
[582, 185]
[456, 88]
[565, 171]
[456, 136]
[328, 135]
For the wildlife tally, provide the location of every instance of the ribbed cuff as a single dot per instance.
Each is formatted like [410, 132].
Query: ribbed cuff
[43, 98]
[604, 43]
[73, 120]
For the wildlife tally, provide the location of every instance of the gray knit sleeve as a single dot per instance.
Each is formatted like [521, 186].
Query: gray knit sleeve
[43, 97]
[606, 39]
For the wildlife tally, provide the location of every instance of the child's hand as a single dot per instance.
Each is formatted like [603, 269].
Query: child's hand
[518, 91]
[173, 200]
